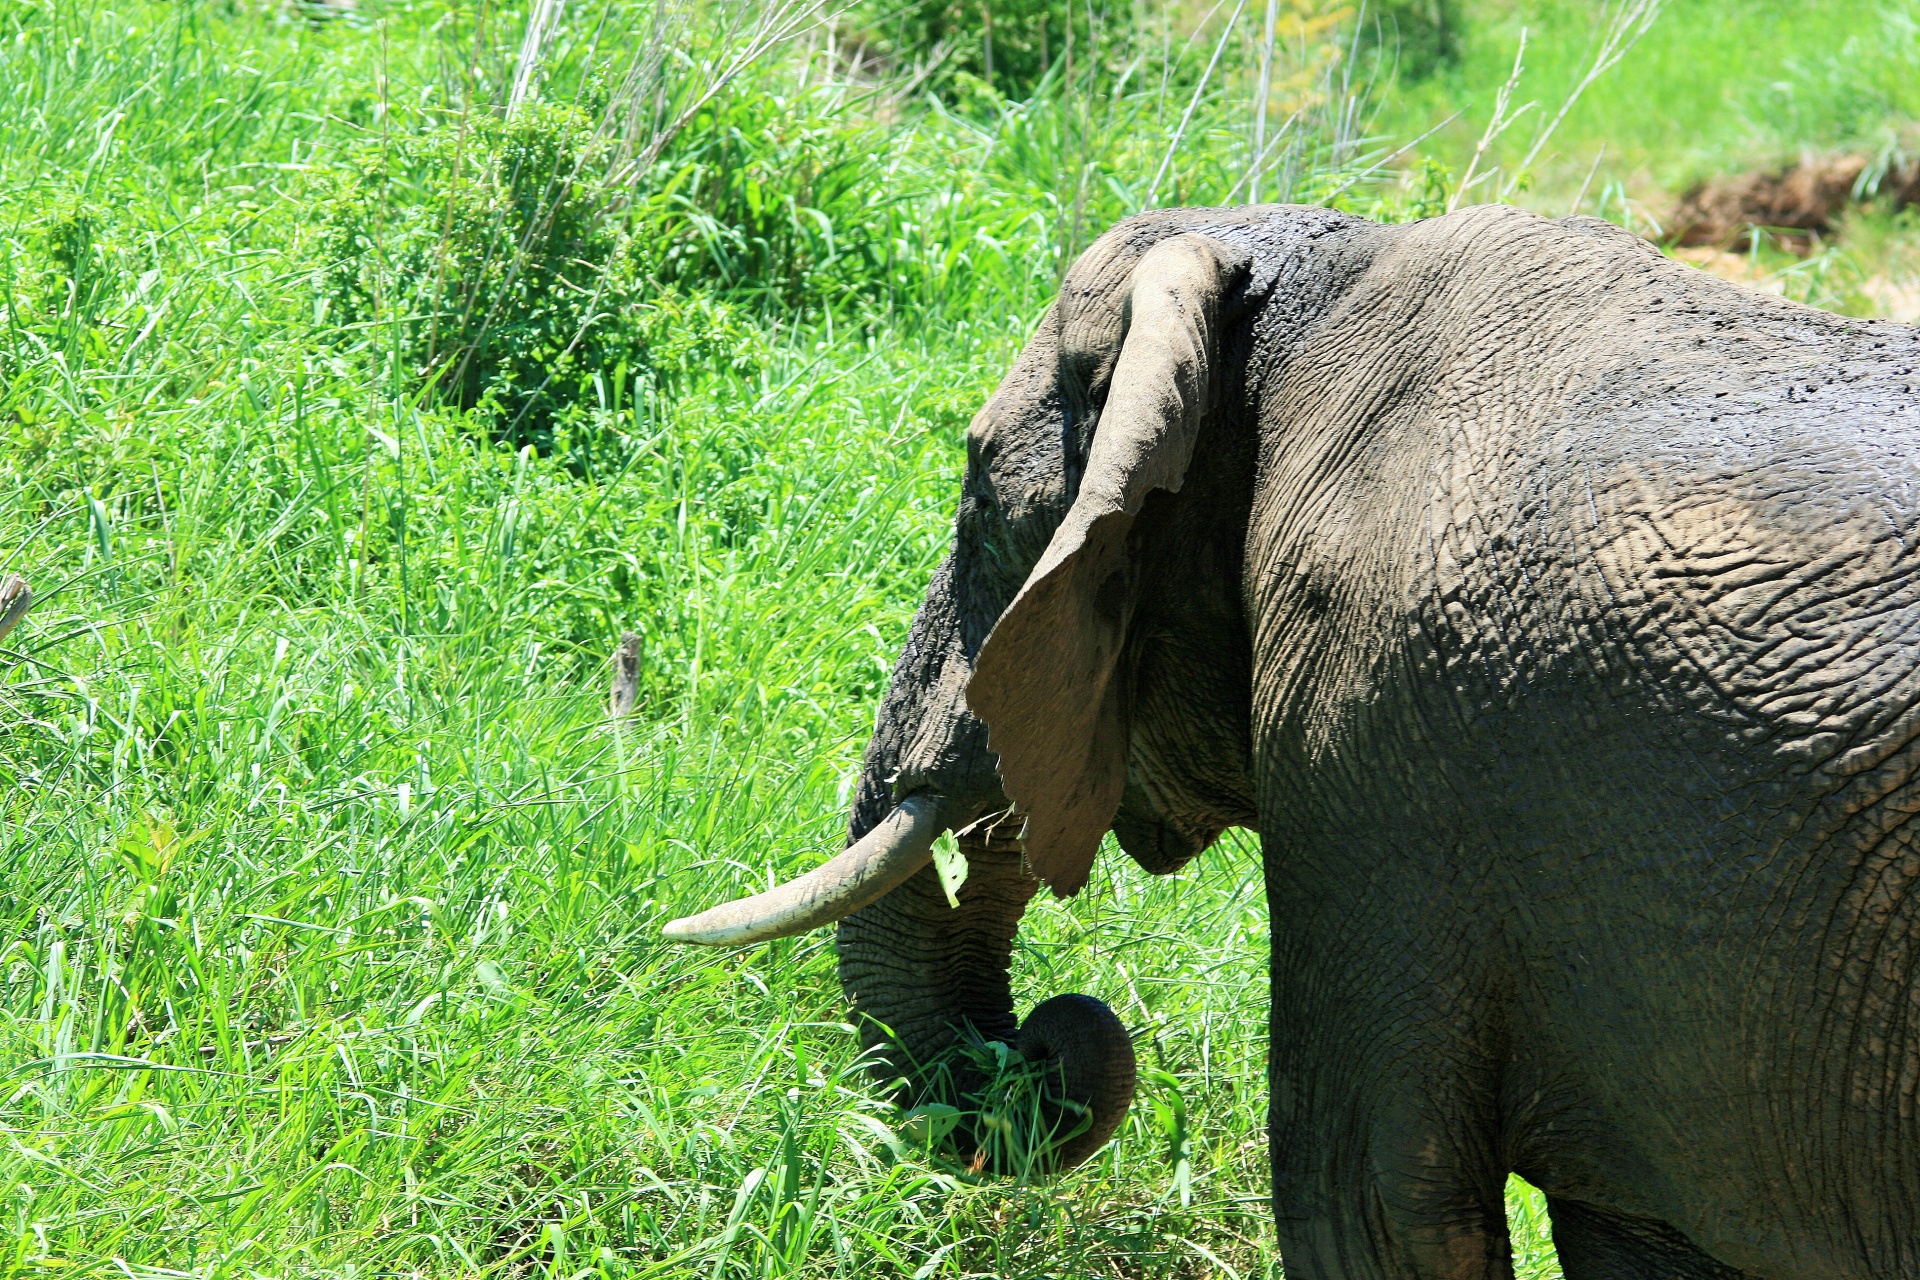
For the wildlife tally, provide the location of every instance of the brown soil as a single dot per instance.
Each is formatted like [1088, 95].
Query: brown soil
[1802, 200]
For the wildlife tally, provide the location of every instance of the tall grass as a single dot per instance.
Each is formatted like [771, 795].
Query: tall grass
[329, 893]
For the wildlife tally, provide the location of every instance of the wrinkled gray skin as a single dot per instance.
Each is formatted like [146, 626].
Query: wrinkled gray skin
[1551, 611]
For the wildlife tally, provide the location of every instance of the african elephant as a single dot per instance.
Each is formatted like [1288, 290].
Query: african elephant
[1551, 611]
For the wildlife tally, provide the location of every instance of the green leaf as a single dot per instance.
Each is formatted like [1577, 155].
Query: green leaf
[929, 1123]
[951, 866]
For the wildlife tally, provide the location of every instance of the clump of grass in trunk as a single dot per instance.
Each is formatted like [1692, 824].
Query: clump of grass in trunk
[1010, 1119]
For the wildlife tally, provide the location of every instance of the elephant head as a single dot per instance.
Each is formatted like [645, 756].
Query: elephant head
[1079, 665]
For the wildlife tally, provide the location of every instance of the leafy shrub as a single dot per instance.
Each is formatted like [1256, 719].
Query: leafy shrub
[538, 268]
[785, 196]
[521, 292]
[1424, 33]
[1009, 44]
[515, 270]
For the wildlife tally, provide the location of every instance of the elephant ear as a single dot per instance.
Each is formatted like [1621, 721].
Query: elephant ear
[1045, 679]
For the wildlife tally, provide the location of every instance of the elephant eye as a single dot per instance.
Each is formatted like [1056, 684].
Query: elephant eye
[977, 499]
[981, 525]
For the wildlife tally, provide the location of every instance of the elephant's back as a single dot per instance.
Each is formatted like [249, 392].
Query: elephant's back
[1524, 438]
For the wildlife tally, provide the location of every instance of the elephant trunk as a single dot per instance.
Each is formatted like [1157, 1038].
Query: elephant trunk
[915, 967]
[918, 968]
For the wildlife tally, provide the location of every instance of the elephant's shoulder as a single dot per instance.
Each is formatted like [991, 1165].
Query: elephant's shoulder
[1497, 251]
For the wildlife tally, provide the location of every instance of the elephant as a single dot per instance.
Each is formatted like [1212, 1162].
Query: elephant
[1550, 610]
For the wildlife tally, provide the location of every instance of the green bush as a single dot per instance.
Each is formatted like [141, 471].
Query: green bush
[512, 269]
[1425, 34]
[517, 288]
[786, 197]
[1009, 44]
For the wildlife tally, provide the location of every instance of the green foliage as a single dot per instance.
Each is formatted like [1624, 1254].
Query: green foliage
[789, 198]
[1712, 88]
[1009, 45]
[534, 274]
[1856, 92]
[524, 272]
[1424, 35]
[1532, 1233]
[521, 292]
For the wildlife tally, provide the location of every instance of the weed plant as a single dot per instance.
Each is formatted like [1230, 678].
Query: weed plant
[365, 374]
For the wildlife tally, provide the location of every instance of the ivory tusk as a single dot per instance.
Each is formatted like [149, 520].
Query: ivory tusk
[861, 874]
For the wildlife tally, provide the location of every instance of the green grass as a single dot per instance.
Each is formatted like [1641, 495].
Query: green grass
[329, 894]
[1710, 89]
[1713, 87]
[331, 897]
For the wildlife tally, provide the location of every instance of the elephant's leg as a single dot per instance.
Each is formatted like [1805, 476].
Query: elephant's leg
[1388, 1047]
[1388, 1227]
[1596, 1245]
[1387, 1181]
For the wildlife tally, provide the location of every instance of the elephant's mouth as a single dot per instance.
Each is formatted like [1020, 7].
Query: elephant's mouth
[925, 975]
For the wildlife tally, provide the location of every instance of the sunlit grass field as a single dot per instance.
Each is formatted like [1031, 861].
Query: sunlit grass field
[1712, 87]
[330, 890]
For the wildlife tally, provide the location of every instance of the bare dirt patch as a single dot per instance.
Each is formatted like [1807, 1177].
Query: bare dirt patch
[1896, 299]
[1730, 266]
[1800, 201]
